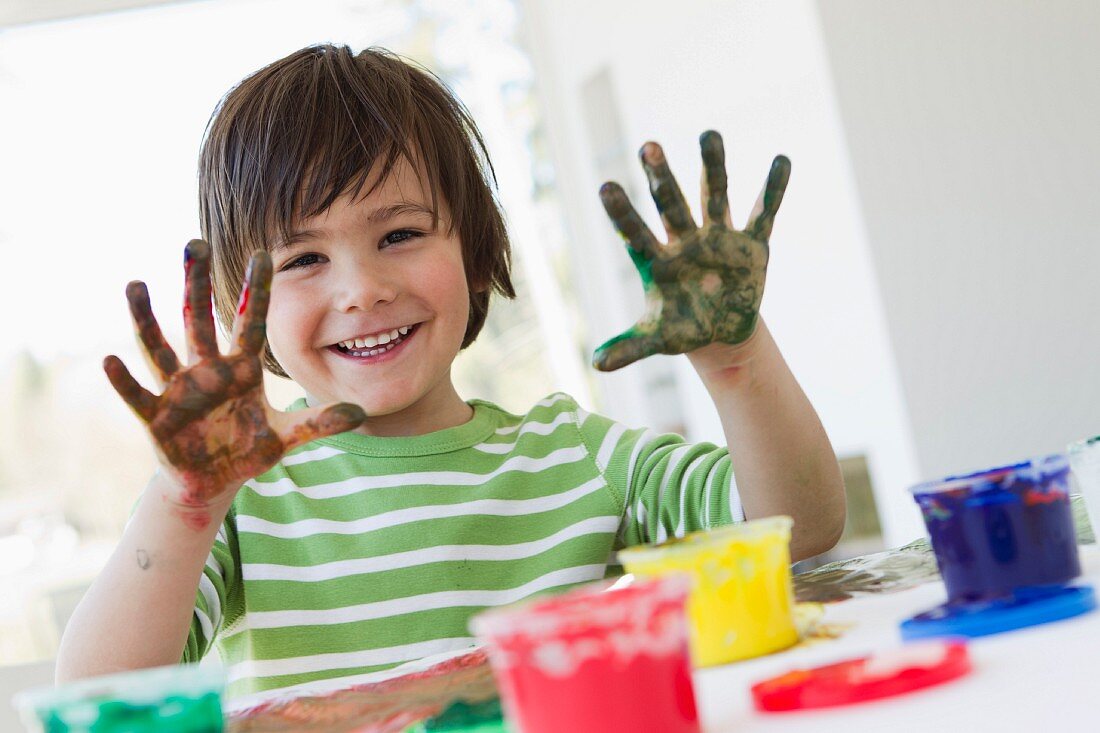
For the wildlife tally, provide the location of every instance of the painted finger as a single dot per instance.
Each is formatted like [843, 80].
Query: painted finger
[627, 221]
[763, 214]
[666, 192]
[250, 327]
[198, 316]
[626, 348]
[297, 428]
[162, 360]
[141, 401]
[716, 208]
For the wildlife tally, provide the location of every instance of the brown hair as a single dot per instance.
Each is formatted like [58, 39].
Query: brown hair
[296, 135]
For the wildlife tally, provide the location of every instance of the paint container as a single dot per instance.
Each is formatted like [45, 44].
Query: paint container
[594, 660]
[1084, 459]
[1001, 531]
[741, 602]
[175, 699]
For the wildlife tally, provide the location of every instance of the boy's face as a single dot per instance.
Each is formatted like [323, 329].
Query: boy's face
[369, 305]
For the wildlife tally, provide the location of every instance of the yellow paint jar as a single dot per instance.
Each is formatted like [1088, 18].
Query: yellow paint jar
[741, 604]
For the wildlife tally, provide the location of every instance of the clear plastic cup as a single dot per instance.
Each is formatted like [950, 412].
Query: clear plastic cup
[741, 603]
[595, 659]
[176, 699]
[1084, 459]
[999, 532]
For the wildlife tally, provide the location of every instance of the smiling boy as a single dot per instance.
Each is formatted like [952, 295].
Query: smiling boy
[360, 529]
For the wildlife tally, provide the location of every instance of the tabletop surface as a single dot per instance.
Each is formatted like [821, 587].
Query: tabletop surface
[1020, 681]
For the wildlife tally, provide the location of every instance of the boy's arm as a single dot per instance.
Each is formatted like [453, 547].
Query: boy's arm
[785, 463]
[212, 429]
[138, 611]
[703, 292]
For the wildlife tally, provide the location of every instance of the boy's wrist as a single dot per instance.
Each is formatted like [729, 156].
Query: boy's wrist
[732, 365]
[168, 493]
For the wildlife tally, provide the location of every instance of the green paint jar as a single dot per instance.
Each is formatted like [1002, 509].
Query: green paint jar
[176, 699]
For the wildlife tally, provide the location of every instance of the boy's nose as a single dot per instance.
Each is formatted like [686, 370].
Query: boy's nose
[364, 289]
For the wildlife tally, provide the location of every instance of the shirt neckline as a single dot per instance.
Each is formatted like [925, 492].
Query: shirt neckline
[475, 430]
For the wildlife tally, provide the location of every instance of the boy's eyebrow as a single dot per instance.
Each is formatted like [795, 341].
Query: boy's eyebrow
[385, 213]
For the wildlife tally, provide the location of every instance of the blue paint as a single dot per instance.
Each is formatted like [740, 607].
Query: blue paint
[997, 531]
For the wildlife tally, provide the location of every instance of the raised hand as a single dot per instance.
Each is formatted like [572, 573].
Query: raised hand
[705, 285]
[212, 425]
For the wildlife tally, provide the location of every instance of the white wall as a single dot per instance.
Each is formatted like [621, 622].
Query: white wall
[756, 71]
[974, 131]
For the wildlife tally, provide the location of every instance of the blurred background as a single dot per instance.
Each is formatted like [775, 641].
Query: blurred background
[934, 270]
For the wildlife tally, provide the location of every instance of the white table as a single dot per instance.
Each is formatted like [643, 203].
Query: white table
[1043, 677]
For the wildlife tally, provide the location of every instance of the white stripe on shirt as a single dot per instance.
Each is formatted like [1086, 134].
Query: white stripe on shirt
[422, 602]
[486, 507]
[357, 484]
[427, 555]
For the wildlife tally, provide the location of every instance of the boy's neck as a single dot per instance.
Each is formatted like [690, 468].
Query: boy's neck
[437, 411]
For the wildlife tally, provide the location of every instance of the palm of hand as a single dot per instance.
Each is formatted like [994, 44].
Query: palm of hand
[212, 425]
[709, 290]
[706, 284]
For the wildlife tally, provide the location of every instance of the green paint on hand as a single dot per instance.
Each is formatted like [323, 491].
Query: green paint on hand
[706, 285]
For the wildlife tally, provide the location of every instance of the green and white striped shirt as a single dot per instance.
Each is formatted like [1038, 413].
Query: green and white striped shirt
[356, 554]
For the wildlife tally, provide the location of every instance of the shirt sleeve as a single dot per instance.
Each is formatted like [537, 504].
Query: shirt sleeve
[665, 485]
[217, 593]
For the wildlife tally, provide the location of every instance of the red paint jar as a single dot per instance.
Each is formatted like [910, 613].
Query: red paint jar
[595, 659]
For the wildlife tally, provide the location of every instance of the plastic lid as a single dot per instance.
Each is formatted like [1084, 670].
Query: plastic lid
[996, 616]
[895, 672]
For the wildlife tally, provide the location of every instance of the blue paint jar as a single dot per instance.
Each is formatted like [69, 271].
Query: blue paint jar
[1002, 532]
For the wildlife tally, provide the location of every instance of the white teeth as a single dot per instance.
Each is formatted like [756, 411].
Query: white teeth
[367, 342]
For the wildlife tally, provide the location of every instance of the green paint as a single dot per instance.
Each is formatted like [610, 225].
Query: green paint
[643, 265]
[483, 717]
[706, 284]
[179, 699]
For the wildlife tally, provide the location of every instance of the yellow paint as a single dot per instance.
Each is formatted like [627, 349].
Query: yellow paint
[741, 604]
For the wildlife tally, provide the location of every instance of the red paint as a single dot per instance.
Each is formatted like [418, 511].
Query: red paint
[886, 674]
[1034, 498]
[593, 661]
[196, 520]
[187, 263]
[243, 303]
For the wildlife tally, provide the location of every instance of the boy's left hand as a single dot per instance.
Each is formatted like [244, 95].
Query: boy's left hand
[706, 284]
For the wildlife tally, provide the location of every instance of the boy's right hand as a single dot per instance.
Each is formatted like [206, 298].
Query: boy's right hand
[212, 425]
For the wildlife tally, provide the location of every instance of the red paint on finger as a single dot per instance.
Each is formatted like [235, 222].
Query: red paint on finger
[243, 303]
[187, 263]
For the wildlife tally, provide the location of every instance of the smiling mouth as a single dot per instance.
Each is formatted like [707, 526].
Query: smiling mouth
[375, 346]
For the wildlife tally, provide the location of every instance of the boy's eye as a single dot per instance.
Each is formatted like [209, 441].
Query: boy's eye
[401, 235]
[301, 261]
